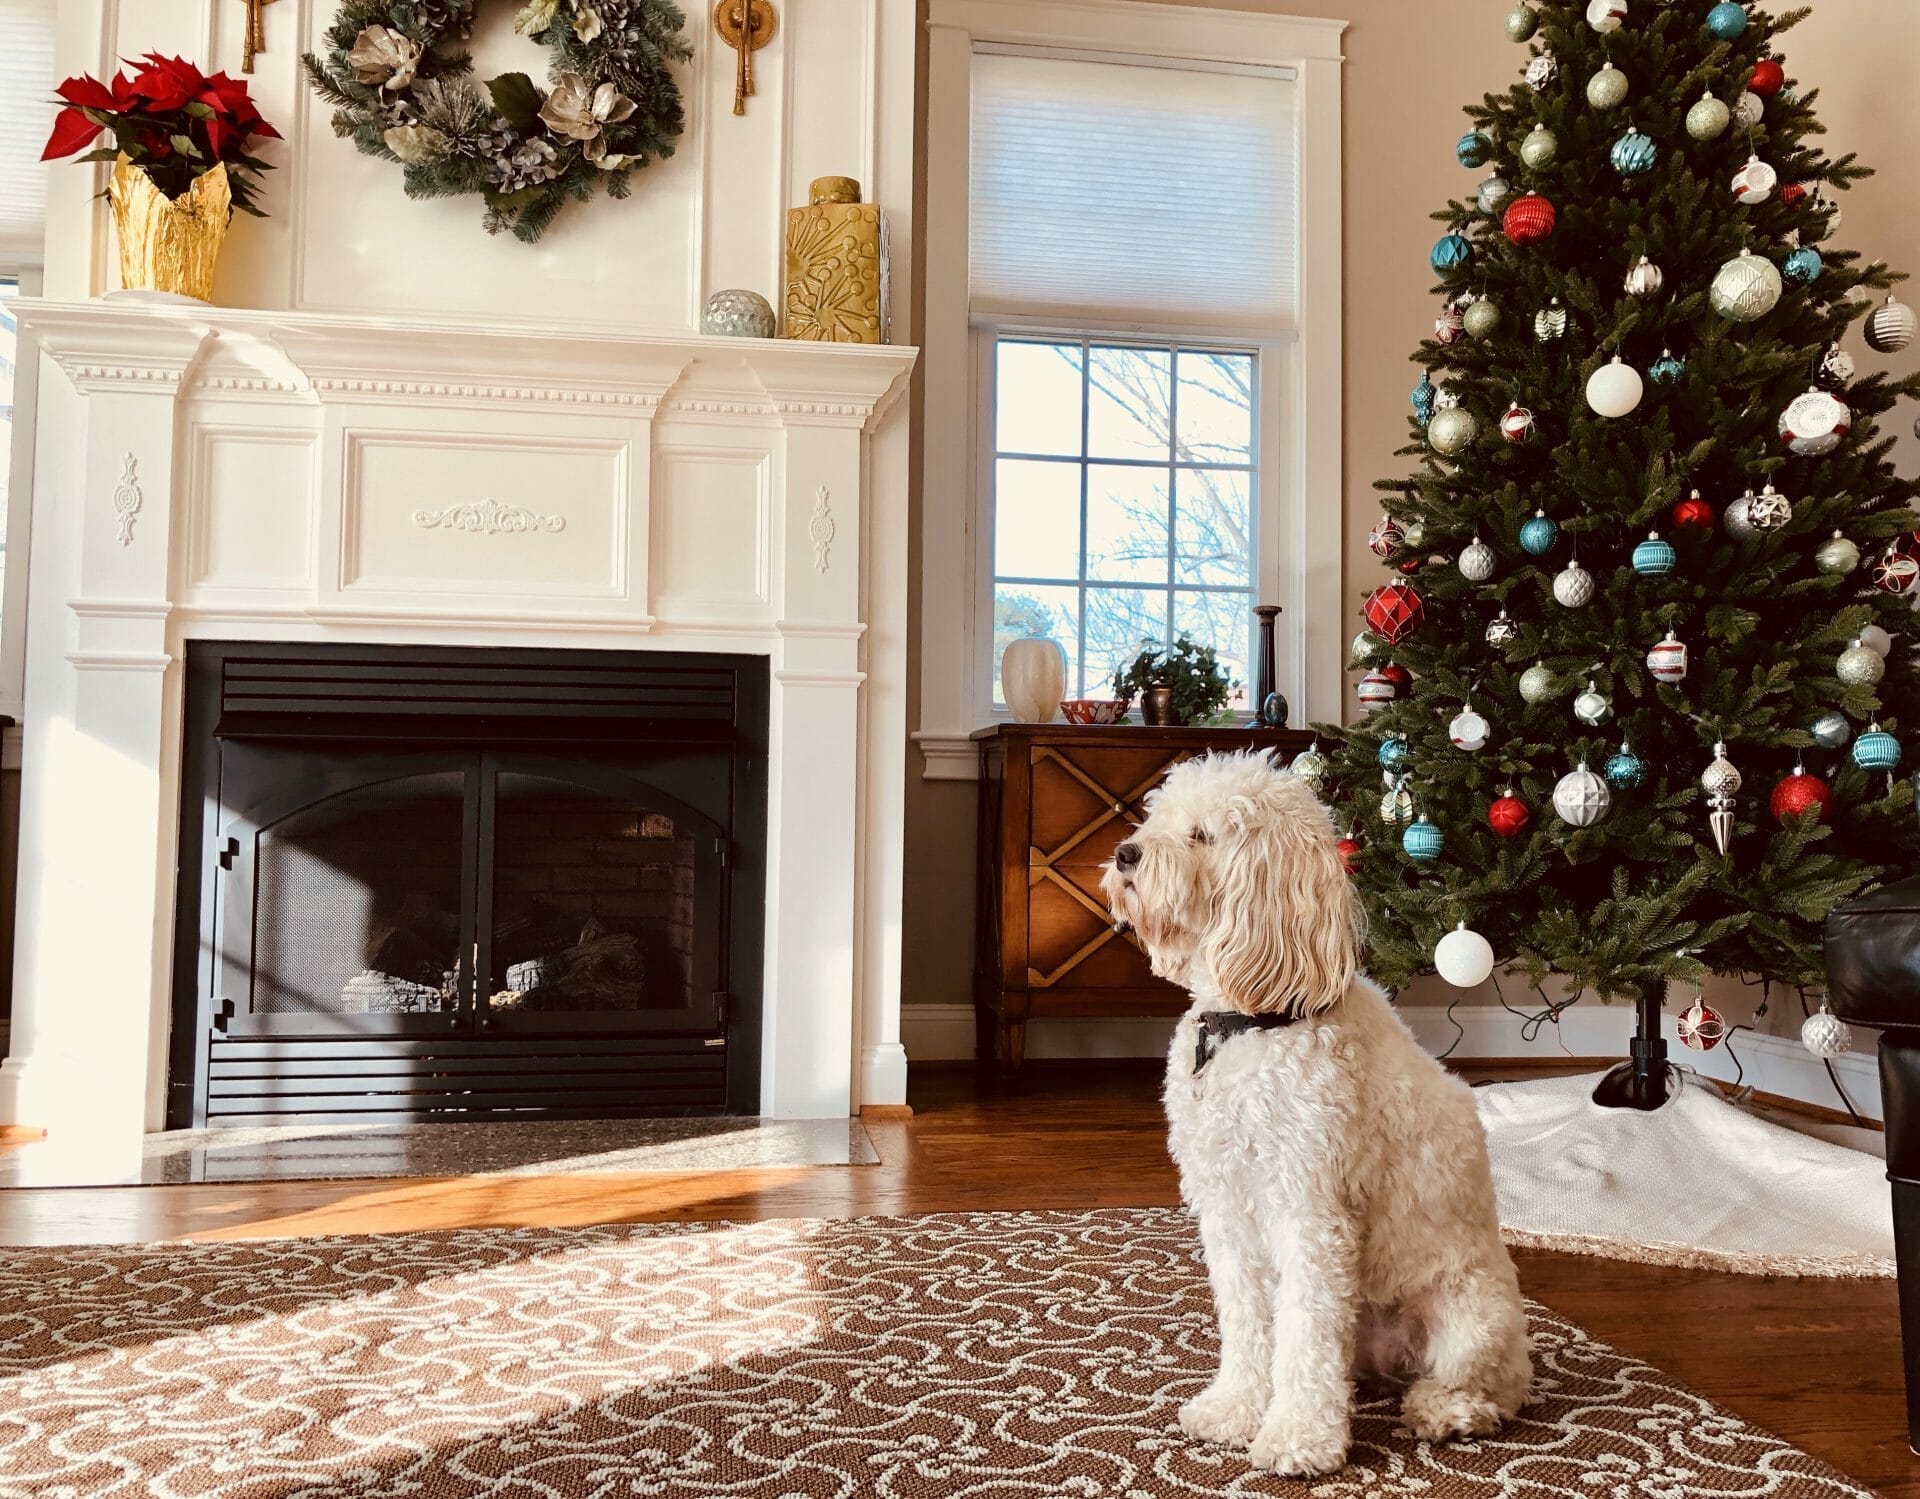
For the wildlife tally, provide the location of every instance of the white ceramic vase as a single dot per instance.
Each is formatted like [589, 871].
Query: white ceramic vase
[1033, 678]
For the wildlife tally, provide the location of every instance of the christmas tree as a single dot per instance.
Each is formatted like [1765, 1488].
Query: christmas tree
[1652, 516]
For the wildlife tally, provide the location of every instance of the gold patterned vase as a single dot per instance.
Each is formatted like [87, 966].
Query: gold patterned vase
[169, 244]
[837, 266]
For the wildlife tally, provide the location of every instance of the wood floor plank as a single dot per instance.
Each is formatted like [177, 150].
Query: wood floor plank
[1816, 1361]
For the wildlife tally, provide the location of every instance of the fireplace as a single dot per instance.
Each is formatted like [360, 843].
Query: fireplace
[441, 883]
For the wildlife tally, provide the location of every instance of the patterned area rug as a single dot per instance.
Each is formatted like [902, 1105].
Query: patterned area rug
[990, 1355]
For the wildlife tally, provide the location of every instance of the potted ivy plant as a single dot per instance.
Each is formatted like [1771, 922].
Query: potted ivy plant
[1184, 685]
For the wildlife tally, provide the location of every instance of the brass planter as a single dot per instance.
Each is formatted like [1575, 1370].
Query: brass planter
[169, 244]
[1157, 710]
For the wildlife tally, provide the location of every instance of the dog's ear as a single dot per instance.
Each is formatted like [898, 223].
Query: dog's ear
[1283, 933]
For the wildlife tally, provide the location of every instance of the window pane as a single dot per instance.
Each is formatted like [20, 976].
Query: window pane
[1129, 401]
[1225, 622]
[1118, 619]
[1126, 524]
[1213, 527]
[1037, 398]
[1216, 407]
[1036, 519]
[1020, 610]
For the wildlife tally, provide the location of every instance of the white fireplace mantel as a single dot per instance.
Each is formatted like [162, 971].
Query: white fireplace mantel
[244, 475]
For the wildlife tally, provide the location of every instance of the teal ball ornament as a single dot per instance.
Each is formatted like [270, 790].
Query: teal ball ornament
[1876, 749]
[1654, 558]
[1726, 21]
[1392, 754]
[1667, 369]
[1539, 534]
[1522, 22]
[1831, 731]
[1450, 253]
[1473, 149]
[1625, 771]
[1802, 265]
[1422, 842]
[1634, 154]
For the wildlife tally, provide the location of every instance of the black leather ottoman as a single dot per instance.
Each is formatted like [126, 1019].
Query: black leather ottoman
[1873, 979]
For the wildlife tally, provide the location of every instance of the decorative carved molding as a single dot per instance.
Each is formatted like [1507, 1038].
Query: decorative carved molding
[717, 406]
[454, 390]
[248, 385]
[127, 500]
[488, 517]
[821, 528]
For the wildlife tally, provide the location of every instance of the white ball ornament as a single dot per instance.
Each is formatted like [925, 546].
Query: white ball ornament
[1745, 288]
[1606, 16]
[1592, 707]
[1754, 183]
[1469, 731]
[1615, 389]
[1573, 586]
[1892, 327]
[1815, 423]
[1825, 1034]
[1477, 561]
[1877, 640]
[1581, 798]
[1749, 108]
[1463, 957]
[1708, 119]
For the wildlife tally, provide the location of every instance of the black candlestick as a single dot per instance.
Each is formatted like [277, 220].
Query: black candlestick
[1269, 707]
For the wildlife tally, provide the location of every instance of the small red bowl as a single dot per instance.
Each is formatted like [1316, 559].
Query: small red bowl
[1094, 710]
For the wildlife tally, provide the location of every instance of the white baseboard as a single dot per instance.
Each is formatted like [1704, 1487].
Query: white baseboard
[1779, 1065]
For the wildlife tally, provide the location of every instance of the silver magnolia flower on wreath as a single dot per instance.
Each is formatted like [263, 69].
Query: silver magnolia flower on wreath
[386, 57]
[581, 112]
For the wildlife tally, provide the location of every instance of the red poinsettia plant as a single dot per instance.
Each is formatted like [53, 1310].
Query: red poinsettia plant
[172, 121]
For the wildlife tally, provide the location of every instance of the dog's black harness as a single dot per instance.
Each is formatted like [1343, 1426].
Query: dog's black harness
[1218, 1026]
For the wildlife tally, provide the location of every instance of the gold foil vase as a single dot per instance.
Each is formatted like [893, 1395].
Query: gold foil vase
[169, 244]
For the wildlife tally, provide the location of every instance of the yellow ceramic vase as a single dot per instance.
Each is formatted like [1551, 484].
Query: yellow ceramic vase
[169, 244]
[837, 266]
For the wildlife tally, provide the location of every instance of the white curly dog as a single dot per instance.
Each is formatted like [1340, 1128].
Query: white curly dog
[1338, 1173]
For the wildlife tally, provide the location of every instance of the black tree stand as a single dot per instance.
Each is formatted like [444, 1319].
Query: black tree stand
[1644, 1080]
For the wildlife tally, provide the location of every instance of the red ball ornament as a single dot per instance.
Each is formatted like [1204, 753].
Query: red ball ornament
[1349, 849]
[1767, 78]
[1798, 792]
[1896, 571]
[1397, 675]
[1394, 612]
[1508, 816]
[1793, 195]
[1528, 219]
[1701, 1027]
[1385, 537]
[1693, 514]
[1411, 566]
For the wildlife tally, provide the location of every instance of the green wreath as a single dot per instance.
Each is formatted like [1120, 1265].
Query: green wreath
[403, 89]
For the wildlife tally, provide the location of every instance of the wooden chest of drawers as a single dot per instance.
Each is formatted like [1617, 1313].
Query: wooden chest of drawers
[1055, 800]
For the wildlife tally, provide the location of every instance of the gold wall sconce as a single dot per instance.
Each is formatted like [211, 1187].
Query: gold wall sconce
[746, 26]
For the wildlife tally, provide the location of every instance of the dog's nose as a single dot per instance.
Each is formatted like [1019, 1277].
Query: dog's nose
[1126, 858]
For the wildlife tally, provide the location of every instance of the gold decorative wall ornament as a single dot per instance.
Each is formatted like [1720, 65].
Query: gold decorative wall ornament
[837, 266]
[255, 41]
[746, 26]
[169, 244]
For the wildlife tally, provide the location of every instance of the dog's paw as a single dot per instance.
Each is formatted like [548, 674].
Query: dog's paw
[1433, 1412]
[1221, 1414]
[1301, 1449]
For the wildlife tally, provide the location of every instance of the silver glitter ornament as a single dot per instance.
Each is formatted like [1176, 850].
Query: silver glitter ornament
[1746, 287]
[1573, 586]
[1536, 683]
[1831, 731]
[1581, 798]
[1477, 561]
[1738, 517]
[1482, 317]
[1860, 665]
[1708, 119]
[1522, 22]
[1837, 555]
[1607, 88]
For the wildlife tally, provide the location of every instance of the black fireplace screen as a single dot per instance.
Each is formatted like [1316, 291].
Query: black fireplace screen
[427, 885]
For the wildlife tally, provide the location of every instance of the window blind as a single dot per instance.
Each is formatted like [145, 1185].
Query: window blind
[1133, 191]
[26, 115]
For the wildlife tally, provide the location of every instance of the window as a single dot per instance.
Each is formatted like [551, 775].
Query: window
[1123, 500]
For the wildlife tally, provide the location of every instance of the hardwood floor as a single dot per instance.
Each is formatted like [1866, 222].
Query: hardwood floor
[1816, 1361]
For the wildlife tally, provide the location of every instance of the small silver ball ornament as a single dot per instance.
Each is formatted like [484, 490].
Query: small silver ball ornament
[1825, 1034]
[1573, 586]
[1837, 555]
[1536, 683]
[1860, 665]
[1831, 731]
[1477, 561]
[1708, 119]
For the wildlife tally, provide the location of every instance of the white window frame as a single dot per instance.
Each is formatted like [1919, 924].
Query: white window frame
[1272, 357]
[1298, 429]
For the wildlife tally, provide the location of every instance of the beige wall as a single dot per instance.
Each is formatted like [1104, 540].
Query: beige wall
[1410, 68]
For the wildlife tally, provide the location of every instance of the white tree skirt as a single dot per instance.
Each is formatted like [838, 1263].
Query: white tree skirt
[1699, 1182]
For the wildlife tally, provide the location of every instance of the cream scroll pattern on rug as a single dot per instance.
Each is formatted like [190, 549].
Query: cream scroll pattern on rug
[965, 1354]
